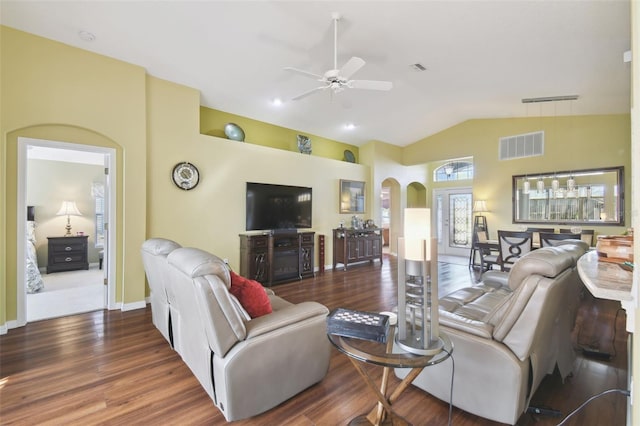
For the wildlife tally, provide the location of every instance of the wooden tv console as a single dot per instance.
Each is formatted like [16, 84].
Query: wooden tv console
[274, 257]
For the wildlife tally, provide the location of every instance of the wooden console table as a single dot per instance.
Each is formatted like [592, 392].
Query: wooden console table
[356, 245]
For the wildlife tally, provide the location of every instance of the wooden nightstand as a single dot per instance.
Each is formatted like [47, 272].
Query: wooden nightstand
[67, 254]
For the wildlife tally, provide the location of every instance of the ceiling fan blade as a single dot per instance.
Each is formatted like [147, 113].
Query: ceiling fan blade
[303, 72]
[370, 84]
[351, 67]
[309, 92]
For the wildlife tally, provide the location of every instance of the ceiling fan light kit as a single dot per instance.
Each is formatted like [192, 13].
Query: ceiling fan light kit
[340, 79]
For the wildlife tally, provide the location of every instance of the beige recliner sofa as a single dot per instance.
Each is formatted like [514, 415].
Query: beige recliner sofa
[508, 331]
[246, 366]
[154, 257]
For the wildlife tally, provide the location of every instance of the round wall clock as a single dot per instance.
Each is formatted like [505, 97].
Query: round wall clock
[185, 176]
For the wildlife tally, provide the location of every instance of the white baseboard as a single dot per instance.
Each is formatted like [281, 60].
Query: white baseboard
[4, 328]
[133, 306]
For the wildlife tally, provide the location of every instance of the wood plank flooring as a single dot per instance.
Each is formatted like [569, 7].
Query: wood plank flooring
[115, 368]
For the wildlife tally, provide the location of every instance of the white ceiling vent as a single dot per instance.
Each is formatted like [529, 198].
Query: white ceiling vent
[521, 146]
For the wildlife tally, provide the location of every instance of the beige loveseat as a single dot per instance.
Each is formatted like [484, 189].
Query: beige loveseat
[246, 366]
[508, 331]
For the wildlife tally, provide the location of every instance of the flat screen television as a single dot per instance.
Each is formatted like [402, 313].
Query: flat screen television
[277, 206]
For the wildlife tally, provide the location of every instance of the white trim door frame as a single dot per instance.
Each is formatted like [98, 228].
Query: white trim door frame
[110, 209]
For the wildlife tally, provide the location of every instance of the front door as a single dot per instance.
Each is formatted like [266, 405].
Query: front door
[453, 211]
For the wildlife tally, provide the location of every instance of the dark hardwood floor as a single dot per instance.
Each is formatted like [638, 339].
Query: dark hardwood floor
[115, 368]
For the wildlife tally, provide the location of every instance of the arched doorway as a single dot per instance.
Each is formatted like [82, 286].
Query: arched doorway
[390, 200]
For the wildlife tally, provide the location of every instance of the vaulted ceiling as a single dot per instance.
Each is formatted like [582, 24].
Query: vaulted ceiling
[481, 57]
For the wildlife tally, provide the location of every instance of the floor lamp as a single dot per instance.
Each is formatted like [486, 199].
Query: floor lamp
[418, 286]
[479, 225]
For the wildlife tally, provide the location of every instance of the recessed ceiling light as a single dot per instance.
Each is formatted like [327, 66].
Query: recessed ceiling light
[349, 126]
[276, 102]
[86, 35]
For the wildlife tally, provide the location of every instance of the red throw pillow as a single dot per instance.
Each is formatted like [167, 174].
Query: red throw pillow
[251, 295]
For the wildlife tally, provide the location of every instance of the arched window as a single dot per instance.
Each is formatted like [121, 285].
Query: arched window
[454, 170]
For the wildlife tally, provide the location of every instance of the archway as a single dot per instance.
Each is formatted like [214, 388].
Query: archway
[416, 195]
[391, 208]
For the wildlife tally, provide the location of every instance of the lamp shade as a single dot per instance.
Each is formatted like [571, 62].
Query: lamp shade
[417, 234]
[480, 206]
[68, 208]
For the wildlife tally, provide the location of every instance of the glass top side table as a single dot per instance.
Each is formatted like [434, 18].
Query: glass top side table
[363, 351]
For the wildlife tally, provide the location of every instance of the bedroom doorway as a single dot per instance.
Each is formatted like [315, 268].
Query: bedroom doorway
[66, 172]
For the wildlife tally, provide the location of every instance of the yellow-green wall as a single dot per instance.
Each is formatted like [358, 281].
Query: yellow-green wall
[53, 91]
[213, 214]
[576, 142]
[212, 123]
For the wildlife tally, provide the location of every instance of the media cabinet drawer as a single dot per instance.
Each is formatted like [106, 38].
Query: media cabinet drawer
[256, 241]
[307, 238]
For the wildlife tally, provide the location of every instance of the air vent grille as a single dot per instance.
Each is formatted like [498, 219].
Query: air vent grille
[521, 146]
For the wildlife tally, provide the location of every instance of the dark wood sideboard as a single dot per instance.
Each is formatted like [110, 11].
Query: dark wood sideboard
[277, 257]
[67, 253]
[356, 245]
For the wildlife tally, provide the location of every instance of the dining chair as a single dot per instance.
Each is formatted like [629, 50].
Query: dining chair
[586, 235]
[489, 255]
[513, 245]
[535, 234]
[478, 237]
[548, 239]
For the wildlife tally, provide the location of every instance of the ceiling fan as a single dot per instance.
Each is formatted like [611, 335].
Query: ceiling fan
[339, 79]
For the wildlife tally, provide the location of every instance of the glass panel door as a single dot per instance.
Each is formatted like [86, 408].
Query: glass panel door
[454, 225]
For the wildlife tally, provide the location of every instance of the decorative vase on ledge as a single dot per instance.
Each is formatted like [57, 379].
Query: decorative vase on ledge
[234, 132]
[304, 144]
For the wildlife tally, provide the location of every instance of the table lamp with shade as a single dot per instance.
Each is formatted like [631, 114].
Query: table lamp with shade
[418, 286]
[479, 225]
[480, 221]
[68, 209]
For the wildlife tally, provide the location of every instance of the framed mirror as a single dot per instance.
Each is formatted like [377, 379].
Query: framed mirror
[575, 197]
